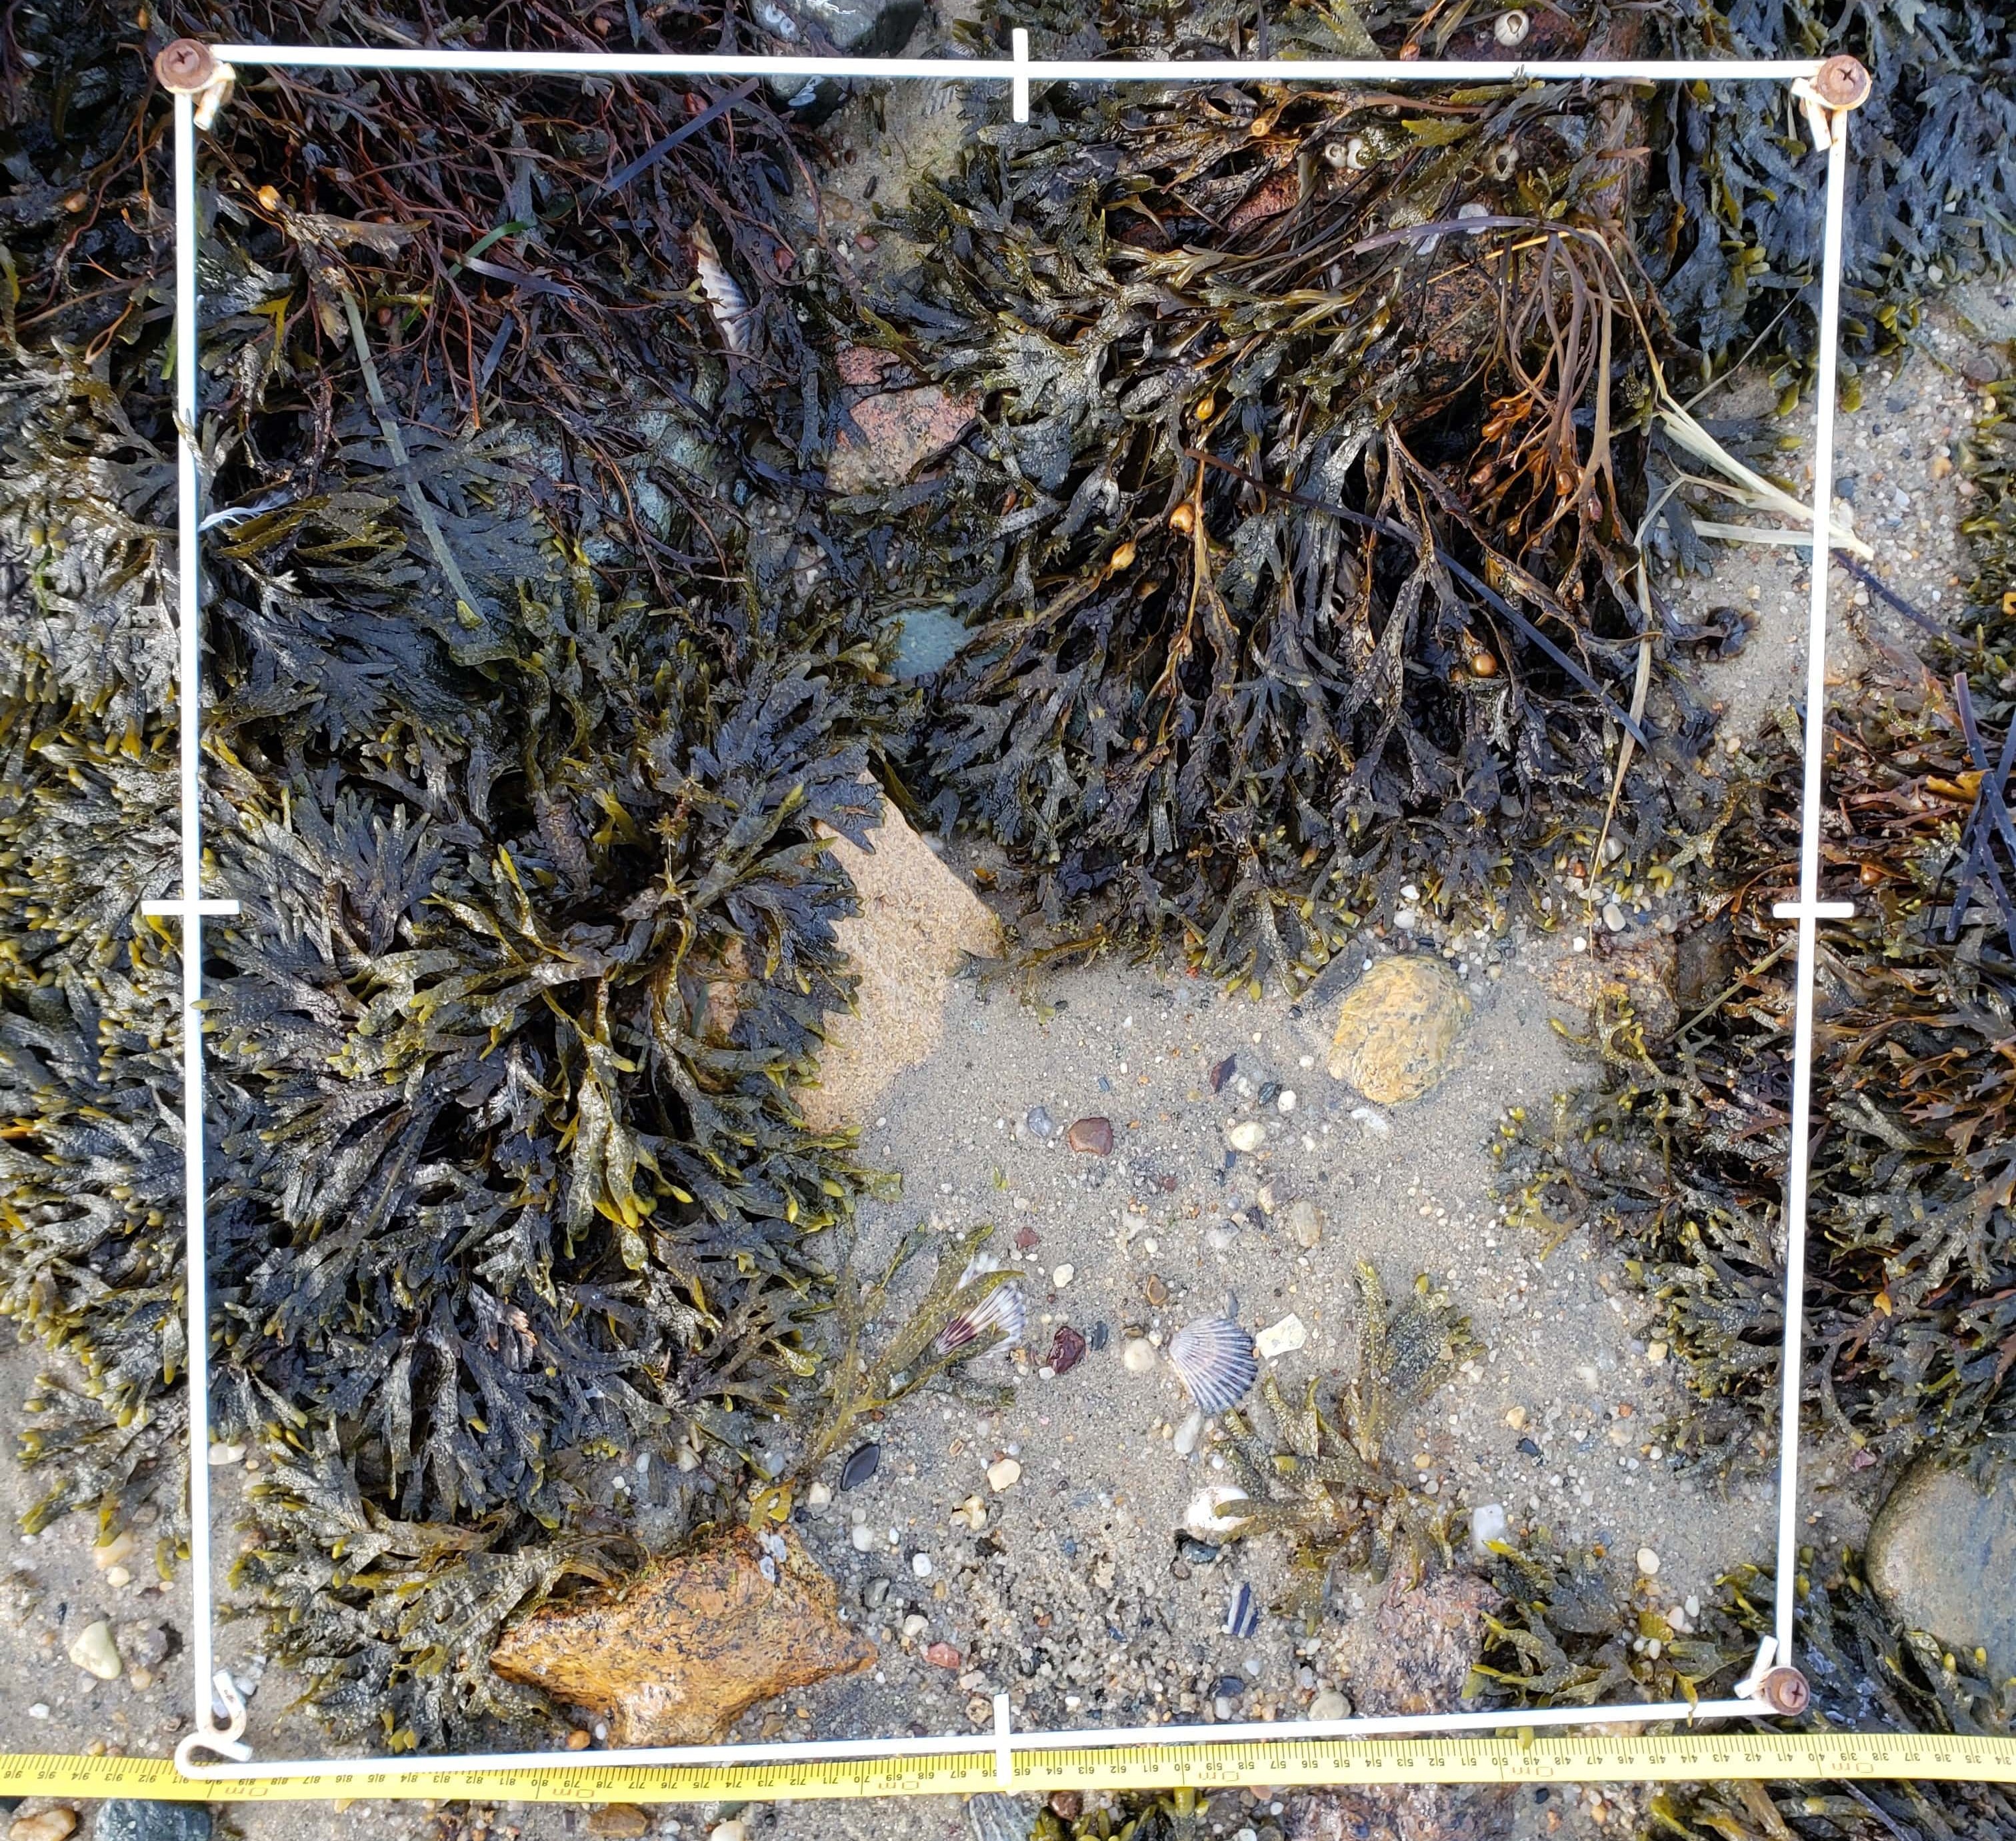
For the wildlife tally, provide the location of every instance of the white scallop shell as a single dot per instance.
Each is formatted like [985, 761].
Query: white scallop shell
[1214, 1359]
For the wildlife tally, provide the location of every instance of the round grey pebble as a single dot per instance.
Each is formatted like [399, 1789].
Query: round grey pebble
[129, 1818]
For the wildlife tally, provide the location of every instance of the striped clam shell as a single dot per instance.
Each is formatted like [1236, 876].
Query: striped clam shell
[1002, 1308]
[1214, 1359]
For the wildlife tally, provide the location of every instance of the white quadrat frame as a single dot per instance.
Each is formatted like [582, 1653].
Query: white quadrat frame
[1772, 1687]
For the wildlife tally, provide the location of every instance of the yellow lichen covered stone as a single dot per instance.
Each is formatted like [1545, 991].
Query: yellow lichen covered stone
[1397, 1028]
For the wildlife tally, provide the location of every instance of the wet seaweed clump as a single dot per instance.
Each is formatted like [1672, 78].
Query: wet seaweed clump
[1325, 1479]
[1296, 553]
[526, 732]
[1866, 1675]
[1676, 1155]
[1572, 1631]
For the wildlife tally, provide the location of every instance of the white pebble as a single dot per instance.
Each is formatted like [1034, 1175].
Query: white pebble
[1613, 916]
[96, 1653]
[1063, 1276]
[1330, 1704]
[817, 1496]
[1003, 1474]
[863, 1537]
[1139, 1356]
[1648, 1562]
[920, 1564]
[1278, 1339]
[1286, 1102]
[1246, 1134]
[221, 1454]
[39, 1711]
[735, 1830]
[117, 1576]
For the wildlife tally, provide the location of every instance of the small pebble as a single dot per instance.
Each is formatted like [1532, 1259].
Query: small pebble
[1330, 1704]
[920, 1564]
[1155, 1288]
[1305, 1223]
[943, 1655]
[873, 1592]
[1655, 1352]
[1063, 1276]
[735, 1829]
[221, 1454]
[1067, 1350]
[1246, 1134]
[863, 1537]
[39, 1711]
[132, 1818]
[46, 1824]
[860, 1466]
[115, 1552]
[819, 1495]
[96, 1653]
[117, 1577]
[579, 1740]
[1096, 1341]
[1515, 1417]
[1487, 1522]
[1040, 1123]
[1139, 1356]
[1648, 1562]
[915, 1624]
[1613, 916]
[1286, 1102]
[1002, 1475]
[1093, 1136]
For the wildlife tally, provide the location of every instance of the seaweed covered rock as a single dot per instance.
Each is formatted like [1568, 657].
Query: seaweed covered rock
[684, 1650]
[1295, 542]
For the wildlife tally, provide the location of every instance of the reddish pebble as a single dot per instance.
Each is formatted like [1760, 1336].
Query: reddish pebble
[1067, 1349]
[1094, 1136]
[941, 1655]
[1026, 1239]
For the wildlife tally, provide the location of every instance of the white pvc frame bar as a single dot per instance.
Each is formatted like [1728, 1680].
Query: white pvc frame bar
[1019, 72]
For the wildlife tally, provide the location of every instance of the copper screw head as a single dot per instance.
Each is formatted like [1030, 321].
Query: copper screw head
[1842, 83]
[1785, 1691]
[187, 66]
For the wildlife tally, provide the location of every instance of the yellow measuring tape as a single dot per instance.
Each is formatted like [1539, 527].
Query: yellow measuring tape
[1509, 1758]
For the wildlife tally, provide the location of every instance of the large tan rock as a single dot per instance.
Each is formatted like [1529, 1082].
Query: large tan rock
[1397, 1028]
[677, 1657]
[917, 925]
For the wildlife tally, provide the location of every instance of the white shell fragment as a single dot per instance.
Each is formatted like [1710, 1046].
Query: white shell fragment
[725, 300]
[1188, 1433]
[1213, 1357]
[1511, 28]
[1202, 1521]
[1278, 1339]
[1002, 1308]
